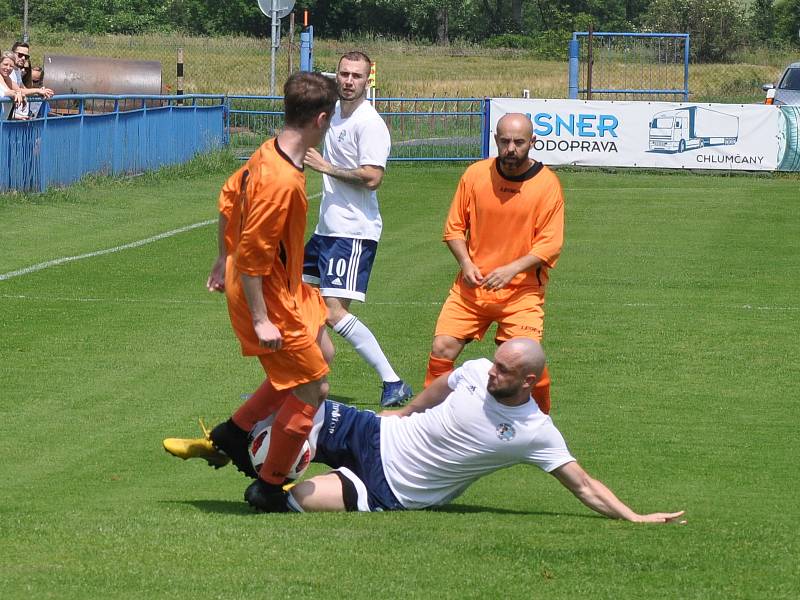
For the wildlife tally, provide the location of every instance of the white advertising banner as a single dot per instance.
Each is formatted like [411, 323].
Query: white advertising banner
[648, 134]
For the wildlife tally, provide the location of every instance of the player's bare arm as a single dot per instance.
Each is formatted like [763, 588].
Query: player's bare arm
[269, 336]
[469, 272]
[502, 276]
[368, 176]
[599, 498]
[431, 396]
[216, 279]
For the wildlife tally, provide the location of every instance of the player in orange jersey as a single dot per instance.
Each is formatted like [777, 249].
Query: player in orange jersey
[505, 229]
[278, 318]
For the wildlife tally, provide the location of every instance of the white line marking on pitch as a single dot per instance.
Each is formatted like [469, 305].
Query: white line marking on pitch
[136, 244]
[60, 261]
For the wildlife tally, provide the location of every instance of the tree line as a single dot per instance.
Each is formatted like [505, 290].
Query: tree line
[716, 26]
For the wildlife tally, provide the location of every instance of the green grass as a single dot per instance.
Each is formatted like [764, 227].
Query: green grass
[671, 330]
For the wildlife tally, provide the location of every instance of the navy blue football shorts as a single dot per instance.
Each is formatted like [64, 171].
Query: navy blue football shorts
[349, 441]
[339, 266]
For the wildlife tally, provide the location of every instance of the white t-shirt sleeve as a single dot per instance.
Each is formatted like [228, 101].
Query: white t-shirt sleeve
[548, 451]
[374, 143]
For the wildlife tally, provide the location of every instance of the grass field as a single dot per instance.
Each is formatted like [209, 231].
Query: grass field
[672, 328]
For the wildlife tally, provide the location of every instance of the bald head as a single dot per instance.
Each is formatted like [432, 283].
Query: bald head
[516, 125]
[514, 139]
[525, 354]
[518, 363]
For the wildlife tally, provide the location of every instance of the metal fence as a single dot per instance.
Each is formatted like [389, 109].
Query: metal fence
[629, 66]
[79, 135]
[422, 129]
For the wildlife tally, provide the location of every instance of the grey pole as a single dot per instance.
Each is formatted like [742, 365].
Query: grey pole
[25, 22]
[276, 25]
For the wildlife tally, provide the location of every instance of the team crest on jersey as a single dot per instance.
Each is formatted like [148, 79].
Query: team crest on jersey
[342, 135]
[506, 432]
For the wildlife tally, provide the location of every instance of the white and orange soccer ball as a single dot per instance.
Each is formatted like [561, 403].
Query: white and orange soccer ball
[258, 444]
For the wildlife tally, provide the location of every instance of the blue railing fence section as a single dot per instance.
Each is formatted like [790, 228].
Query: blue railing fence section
[84, 134]
[608, 65]
[422, 129]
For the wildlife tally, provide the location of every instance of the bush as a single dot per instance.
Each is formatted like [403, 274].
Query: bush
[546, 44]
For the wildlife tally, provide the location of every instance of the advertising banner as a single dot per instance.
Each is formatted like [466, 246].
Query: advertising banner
[789, 139]
[652, 134]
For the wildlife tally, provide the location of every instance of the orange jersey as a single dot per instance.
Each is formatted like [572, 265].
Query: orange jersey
[503, 219]
[228, 197]
[266, 207]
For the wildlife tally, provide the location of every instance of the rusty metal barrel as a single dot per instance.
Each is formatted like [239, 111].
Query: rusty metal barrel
[93, 75]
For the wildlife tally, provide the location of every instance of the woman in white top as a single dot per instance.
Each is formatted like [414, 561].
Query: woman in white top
[9, 88]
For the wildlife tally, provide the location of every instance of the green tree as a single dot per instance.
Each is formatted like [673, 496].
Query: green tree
[787, 21]
[761, 19]
[716, 26]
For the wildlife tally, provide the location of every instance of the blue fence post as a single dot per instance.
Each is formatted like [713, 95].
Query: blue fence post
[487, 102]
[43, 158]
[686, 69]
[574, 49]
[307, 49]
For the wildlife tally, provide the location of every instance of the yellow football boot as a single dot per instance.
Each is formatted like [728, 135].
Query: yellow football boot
[186, 448]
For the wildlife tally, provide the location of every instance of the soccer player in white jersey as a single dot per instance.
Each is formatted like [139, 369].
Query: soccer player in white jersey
[340, 254]
[477, 420]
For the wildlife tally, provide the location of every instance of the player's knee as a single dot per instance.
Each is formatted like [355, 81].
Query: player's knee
[446, 347]
[324, 389]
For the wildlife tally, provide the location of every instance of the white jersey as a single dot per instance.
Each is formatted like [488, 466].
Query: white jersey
[431, 457]
[16, 77]
[360, 139]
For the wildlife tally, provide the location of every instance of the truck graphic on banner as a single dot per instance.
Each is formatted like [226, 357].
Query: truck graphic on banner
[690, 127]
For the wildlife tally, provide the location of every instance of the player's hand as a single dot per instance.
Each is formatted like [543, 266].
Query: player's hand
[216, 279]
[674, 517]
[471, 275]
[314, 160]
[268, 335]
[499, 278]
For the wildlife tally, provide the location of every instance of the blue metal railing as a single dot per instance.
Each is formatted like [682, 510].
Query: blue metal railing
[422, 129]
[83, 134]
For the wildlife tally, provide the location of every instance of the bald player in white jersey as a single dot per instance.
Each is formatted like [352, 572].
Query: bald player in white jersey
[476, 420]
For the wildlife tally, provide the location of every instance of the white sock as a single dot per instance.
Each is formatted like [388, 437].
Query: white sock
[364, 342]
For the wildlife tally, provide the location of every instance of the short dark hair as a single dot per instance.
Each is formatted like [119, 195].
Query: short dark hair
[356, 55]
[305, 96]
[18, 44]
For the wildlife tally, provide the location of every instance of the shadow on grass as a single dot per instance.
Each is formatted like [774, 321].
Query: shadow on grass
[224, 507]
[465, 509]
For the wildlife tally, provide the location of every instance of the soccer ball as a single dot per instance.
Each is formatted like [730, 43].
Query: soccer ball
[258, 444]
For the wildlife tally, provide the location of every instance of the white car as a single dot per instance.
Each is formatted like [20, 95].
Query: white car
[788, 89]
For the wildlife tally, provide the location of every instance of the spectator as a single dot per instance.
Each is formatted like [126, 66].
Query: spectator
[36, 81]
[8, 86]
[22, 55]
[11, 62]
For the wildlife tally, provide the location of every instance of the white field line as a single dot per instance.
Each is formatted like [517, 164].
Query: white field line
[136, 244]
[60, 261]
[411, 303]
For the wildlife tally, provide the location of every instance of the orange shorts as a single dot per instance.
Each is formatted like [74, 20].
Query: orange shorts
[287, 369]
[468, 313]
